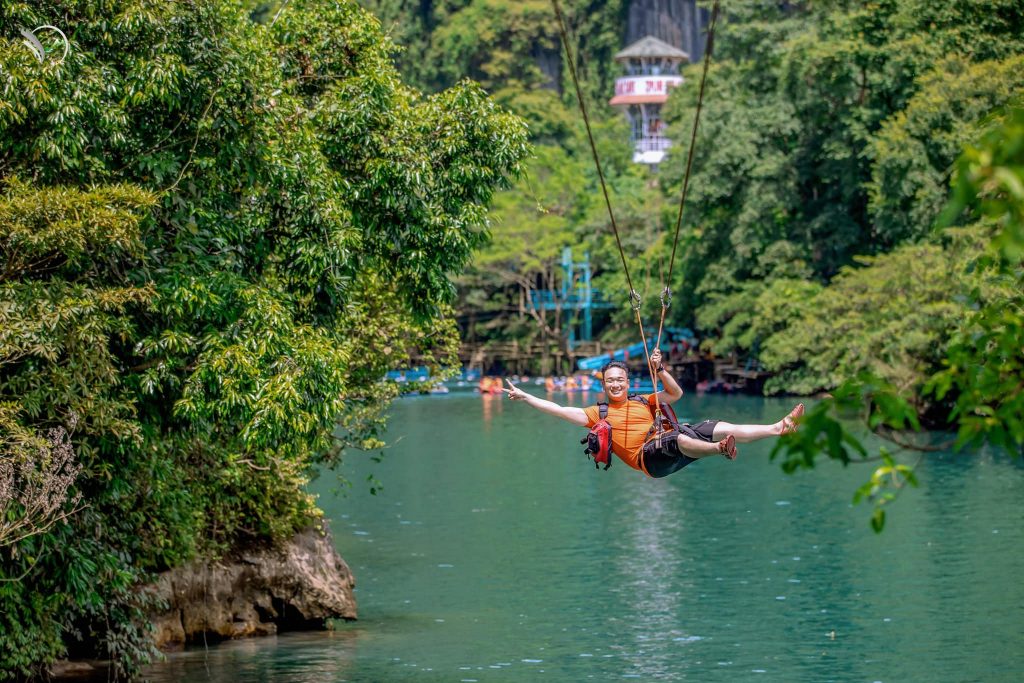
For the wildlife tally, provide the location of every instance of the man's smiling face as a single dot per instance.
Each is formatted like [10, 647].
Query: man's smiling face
[616, 384]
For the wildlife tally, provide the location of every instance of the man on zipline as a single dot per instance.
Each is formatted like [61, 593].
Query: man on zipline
[633, 439]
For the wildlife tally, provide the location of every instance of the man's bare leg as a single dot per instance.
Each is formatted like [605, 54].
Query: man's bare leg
[697, 448]
[748, 433]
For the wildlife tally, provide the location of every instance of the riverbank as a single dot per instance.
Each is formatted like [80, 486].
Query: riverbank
[693, 372]
[300, 586]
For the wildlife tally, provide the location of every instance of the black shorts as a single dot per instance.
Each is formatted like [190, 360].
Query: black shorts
[663, 461]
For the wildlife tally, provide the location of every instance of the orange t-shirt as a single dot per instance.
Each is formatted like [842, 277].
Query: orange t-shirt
[630, 421]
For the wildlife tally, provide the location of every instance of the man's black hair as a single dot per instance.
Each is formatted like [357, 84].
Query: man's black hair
[614, 364]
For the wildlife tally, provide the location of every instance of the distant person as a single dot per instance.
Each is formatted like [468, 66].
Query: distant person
[633, 437]
[490, 385]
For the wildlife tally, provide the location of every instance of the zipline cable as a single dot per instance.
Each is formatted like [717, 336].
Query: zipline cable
[634, 297]
[666, 295]
[593, 148]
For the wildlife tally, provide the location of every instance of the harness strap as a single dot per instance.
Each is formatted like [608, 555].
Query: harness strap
[602, 415]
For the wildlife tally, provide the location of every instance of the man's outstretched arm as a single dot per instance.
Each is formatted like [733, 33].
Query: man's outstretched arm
[575, 415]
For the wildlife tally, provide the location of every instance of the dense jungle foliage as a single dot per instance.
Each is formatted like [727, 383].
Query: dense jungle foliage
[811, 240]
[216, 236]
[823, 160]
[211, 211]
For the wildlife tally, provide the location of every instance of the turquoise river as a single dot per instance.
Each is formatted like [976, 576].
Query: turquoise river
[495, 552]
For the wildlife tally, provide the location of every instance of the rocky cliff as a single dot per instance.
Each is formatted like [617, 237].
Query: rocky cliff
[262, 592]
[679, 23]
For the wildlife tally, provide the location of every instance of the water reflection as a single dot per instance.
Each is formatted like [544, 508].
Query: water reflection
[653, 577]
[490, 404]
[288, 658]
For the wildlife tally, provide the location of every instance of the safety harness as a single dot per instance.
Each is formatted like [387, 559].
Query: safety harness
[598, 440]
[669, 421]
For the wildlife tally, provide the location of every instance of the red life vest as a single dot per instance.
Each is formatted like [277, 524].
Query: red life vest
[599, 439]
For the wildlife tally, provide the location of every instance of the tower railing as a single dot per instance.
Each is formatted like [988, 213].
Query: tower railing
[654, 143]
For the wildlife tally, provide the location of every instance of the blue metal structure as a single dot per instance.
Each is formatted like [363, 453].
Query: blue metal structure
[575, 294]
[670, 334]
[597, 362]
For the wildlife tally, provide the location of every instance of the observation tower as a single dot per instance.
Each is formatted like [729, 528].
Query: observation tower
[652, 67]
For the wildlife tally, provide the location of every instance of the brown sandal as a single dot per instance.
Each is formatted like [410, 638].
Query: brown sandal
[727, 447]
[789, 422]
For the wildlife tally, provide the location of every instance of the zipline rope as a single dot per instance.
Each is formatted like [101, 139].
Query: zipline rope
[634, 297]
[666, 295]
[593, 148]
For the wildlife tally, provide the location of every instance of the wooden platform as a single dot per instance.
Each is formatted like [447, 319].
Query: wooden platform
[750, 381]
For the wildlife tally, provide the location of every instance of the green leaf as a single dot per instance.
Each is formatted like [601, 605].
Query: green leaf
[878, 520]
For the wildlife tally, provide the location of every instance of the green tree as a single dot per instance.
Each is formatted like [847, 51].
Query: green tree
[801, 137]
[557, 203]
[206, 222]
[915, 149]
[983, 360]
[502, 43]
[532, 223]
[487, 41]
[891, 316]
[743, 318]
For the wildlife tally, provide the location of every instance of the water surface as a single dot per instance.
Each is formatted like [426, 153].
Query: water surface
[496, 552]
